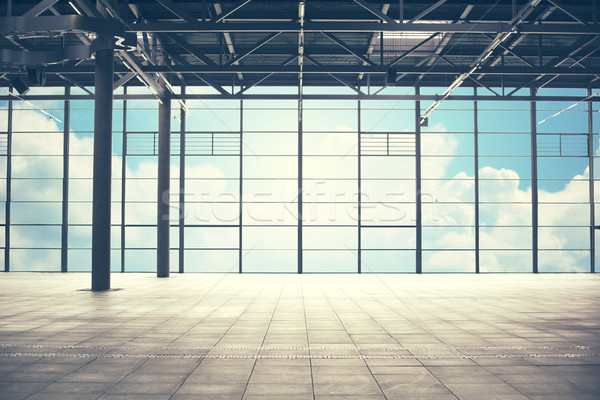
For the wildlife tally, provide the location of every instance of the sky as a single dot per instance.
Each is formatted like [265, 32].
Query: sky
[330, 196]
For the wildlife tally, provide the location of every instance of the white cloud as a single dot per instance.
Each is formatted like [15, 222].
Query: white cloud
[498, 185]
[499, 230]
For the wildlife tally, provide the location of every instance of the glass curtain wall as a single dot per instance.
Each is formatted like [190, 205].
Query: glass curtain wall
[269, 229]
[448, 186]
[563, 185]
[80, 173]
[212, 185]
[36, 181]
[330, 186]
[501, 184]
[505, 185]
[387, 186]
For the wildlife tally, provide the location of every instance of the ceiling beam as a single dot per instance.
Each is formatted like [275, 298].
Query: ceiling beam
[177, 10]
[337, 78]
[281, 48]
[348, 48]
[159, 89]
[412, 49]
[580, 45]
[74, 82]
[186, 46]
[470, 77]
[286, 62]
[427, 11]
[475, 65]
[271, 26]
[518, 39]
[374, 38]
[88, 9]
[227, 13]
[569, 13]
[257, 46]
[123, 80]
[227, 37]
[442, 45]
[382, 16]
[204, 79]
[39, 8]
[190, 49]
[508, 50]
[162, 90]
[323, 69]
[272, 96]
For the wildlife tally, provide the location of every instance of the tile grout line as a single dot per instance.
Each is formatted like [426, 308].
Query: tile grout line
[223, 335]
[312, 379]
[352, 340]
[386, 331]
[264, 337]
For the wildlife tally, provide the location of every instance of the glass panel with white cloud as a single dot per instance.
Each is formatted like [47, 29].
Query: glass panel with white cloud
[330, 186]
[563, 187]
[270, 186]
[388, 190]
[505, 211]
[37, 171]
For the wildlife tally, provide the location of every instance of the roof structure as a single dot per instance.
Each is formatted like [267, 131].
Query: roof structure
[355, 43]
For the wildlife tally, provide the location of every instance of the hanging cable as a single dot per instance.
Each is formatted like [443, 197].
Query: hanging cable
[568, 108]
[50, 116]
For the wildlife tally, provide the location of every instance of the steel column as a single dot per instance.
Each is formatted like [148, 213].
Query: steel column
[102, 170]
[300, 129]
[401, 6]
[65, 185]
[300, 184]
[241, 209]
[591, 181]
[381, 50]
[534, 183]
[123, 181]
[419, 230]
[181, 185]
[8, 186]
[164, 177]
[476, 159]
[359, 194]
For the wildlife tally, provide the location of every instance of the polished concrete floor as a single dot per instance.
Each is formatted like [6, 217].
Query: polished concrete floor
[320, 337]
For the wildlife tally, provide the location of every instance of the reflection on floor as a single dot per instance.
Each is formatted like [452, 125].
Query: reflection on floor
[215, 337]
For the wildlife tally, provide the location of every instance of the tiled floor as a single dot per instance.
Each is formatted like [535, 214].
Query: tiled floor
[300, 337]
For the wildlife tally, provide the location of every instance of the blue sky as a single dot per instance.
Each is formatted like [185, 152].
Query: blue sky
[330, 172]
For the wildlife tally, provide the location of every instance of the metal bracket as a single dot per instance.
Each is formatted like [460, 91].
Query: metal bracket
[79, 52]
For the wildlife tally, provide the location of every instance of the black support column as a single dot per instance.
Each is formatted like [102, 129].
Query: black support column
[534, 182]
[300, 183]
[8, 186]
[241, 193]
[164, 176]
[102, 170]
[181, 185]
[476, 175]
[419, 229]
[65, 186]
[591, 178]
[359, 200]
[123, 181]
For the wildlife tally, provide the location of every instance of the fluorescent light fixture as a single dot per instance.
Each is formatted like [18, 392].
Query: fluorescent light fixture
[75, 8]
